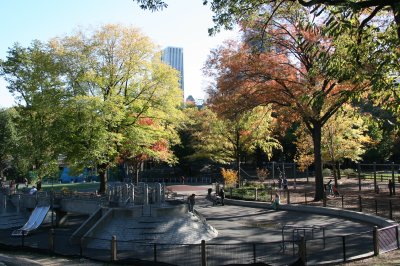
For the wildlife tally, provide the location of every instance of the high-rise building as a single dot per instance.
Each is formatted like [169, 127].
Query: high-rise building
[173, 56]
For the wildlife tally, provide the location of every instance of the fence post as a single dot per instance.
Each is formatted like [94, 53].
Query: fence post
[344, 248]
[303, 250]
[203, 253]
[342, 202]
[81, 247]
[375, 237]
[359, 203]
[359, 176]
[394, 184]
[255, 194]
[51, 240]
[376, 207]
[155, 252]
[23, 238]
[375, 184]
[254, 253]
[390, 210]
[113, 248]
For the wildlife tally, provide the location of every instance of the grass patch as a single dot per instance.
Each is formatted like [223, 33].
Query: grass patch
[84, 187]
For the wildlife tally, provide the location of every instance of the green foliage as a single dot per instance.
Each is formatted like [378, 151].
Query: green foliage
[349, 171]
[326, 172]
[225, 140]
[98, 98]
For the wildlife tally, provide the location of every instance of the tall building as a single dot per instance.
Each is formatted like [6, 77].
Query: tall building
[173, 56]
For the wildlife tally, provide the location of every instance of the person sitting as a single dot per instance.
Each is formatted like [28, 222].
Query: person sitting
[33, 190]
[276, 202]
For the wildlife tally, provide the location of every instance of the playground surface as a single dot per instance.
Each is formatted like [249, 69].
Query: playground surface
[235, 224]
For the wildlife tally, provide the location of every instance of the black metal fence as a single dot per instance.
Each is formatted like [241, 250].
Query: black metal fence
[306, 244]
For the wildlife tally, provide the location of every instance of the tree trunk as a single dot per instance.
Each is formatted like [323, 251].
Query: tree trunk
[319, 180]
[238, 169]
[102, 168]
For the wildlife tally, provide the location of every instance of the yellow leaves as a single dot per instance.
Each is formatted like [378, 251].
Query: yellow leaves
[230, 177]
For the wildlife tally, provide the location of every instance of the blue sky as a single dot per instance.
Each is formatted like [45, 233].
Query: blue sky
[183, 24]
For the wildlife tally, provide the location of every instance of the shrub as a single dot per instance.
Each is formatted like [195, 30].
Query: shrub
[326, 172]
[262, 174]
[349, 171]
[230, 177]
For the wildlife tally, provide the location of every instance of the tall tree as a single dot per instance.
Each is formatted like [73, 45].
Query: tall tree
[8, 139]
[129, 98]
[34, 77]
[344, 136]
[229, 139]
[337, 14]
[304, 74]
[98, 98]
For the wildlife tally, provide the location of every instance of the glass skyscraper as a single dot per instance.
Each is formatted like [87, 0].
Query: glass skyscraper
[173, 56]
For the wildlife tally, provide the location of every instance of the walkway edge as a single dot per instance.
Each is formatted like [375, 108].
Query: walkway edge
[353, 215]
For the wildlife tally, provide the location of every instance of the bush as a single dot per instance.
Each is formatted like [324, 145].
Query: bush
[349, 171]
[326, 172]
[230, 177]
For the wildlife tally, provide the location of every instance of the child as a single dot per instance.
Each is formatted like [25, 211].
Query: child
[276, 202]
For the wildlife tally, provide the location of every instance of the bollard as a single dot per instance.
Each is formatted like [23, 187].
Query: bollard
[155, 252]
[359, 203]
[51, 240]
[342, 202]
[302, 251]
[203, 253]
[114, 248]
[305, 197]
[23, 238]
[375, 236]
[255, 194]
[254, 254]
[288, 197]
[324, 201]
[344, 248]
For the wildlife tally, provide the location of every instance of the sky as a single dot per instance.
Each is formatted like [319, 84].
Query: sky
[183, 24]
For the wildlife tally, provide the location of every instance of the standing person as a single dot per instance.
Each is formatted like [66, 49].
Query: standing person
[191, 202]
[285, 183]
[276, 202]
[222, 195]
[280, 183]
[329, 187]
[33, 190]
[39, 184]
[390, 185]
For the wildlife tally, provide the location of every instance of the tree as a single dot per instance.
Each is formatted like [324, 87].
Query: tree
[8, 140]
[34, 76]
[304, 74]
[337, 14]
[127, 97]
[227, 139]
[98, 98]
[344, 136]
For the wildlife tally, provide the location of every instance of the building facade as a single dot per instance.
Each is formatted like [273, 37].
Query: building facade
[173, 56]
